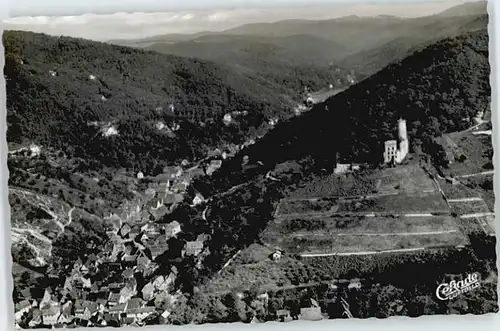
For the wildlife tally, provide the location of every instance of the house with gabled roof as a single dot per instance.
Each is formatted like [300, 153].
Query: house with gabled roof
[164, 317]
[169, 199]
[91, 309]
[66, 316]
[193, 248]
[26, 293]
[254, 320]
[125, 230]
[21, 308]
[129, 259]
[140, 314]
[311, 314]
[170, 279]
[283, 315]
[118, 309]
[132, 305]
[154, 203]
[198, 199]
[173, 171]
[128, 274]
[128, 291]
[213, 166]
[180, 187]
[156, 214]
[134, 231]
[113, 299]
[36, 320]
[172, 229]
[50, 314]
[79, 308]
[150, 228]
[157, 250]
[142, 263]
[148, 291]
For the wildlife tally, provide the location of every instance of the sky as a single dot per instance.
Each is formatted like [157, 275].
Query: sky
[129, 19]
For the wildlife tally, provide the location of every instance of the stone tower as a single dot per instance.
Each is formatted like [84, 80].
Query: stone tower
[403, 139]
[402, 129]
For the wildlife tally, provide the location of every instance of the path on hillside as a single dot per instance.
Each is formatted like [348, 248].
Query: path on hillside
[70, 216]
[403, 250]
[484, 173]
[424, 233]
[330, 214]
[477, 215]
[361, 197]
[466, 199]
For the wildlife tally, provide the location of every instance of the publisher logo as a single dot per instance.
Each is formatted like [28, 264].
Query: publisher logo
[453, 289]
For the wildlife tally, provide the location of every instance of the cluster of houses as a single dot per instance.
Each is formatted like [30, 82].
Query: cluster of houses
[120, 285]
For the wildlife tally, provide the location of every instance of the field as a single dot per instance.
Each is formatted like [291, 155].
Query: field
[456, 191]
[290, 207]
[431, 202]
[483, 185]
[404, 211]
[469, 207]
[254, 268]
[470, 153]
[359, 242]
[488, 222]
[403, 179]
[482, 224]
[359, 226]
[398, 204]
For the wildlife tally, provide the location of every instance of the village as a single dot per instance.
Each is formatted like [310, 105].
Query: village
[122, 284]
[110, 288]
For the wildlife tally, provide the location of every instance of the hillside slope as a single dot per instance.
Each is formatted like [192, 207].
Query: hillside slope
[234, 48]
[471, 8]
[438, 89]
[432, 29]
[285, 63]
[63, 92]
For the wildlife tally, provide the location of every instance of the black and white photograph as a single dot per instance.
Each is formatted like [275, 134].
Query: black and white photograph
[268, 163]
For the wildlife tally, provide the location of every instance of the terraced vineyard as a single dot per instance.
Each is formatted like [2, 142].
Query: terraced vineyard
[408, 213]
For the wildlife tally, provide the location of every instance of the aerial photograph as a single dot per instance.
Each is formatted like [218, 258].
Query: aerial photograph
[261, 164]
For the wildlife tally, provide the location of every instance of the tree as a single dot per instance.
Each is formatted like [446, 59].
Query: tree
[218, 312]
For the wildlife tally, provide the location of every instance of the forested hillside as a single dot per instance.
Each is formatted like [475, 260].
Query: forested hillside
[63, 92]
[432, 29]
[286, 63]
[438, 89]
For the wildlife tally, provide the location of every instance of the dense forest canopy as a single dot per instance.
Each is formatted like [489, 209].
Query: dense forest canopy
[57, 86]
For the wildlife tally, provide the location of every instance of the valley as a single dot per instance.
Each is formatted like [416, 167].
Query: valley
[240, 177]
